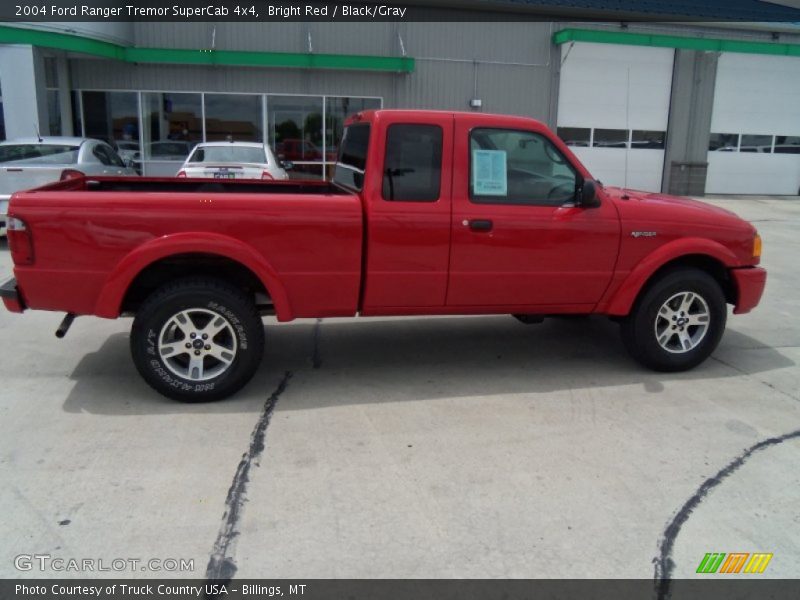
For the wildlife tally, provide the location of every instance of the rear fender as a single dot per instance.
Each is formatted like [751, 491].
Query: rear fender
[116, 286]
[620, 299]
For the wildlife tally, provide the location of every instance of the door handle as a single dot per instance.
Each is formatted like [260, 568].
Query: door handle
[480, 225]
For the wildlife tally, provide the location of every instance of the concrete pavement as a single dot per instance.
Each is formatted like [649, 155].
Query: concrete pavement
[406, 448]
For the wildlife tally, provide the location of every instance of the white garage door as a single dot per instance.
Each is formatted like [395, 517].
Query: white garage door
[613, 109]
[755, 126]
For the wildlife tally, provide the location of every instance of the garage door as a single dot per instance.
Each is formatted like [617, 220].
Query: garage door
[613, 109]
[755, 126]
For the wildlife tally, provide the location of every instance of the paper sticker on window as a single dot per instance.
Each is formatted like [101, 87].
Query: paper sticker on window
[489, 173]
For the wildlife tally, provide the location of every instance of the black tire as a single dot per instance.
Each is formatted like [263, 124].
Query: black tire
[210, 303]
[641, 333]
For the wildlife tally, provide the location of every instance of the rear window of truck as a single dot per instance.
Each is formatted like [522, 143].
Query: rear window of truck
[352, 160]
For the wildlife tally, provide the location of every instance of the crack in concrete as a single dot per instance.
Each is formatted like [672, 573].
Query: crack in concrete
[221, 565]
[664, 565]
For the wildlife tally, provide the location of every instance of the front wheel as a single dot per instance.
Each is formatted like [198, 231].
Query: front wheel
[678, 321]
[197, 340]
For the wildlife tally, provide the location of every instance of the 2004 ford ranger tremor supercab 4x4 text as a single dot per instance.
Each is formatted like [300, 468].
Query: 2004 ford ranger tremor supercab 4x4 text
[428, 213]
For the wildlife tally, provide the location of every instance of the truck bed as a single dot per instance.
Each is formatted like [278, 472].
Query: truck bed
[186, 186]
[305, 236]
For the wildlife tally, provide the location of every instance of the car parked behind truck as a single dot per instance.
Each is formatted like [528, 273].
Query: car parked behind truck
[31, 162]
[428, 213]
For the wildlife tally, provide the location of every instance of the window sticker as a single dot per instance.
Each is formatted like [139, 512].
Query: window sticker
[489, 176]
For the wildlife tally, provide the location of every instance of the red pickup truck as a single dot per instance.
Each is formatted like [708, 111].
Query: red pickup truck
[428, 213]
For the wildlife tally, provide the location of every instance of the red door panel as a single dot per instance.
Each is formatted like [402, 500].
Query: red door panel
[532, 255]
[407, 243]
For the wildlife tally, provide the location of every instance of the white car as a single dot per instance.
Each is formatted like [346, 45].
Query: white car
[234, 160]
[27, 163]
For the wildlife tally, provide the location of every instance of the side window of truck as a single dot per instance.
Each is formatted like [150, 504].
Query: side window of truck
[518, 167]
[352, 160]
[412, 170]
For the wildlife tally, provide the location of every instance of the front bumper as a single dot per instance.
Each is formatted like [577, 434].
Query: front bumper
[11, 296]
[750, 283]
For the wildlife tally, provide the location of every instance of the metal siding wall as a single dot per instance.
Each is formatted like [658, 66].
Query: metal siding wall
[326, 38]
[104, 75]
[449, 55]
[500, 42]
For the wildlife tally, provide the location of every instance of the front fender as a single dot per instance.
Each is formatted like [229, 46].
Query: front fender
[116, 285]
[621, 298]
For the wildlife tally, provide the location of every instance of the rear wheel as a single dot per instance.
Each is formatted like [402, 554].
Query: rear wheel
[197, 340]
[678, 321]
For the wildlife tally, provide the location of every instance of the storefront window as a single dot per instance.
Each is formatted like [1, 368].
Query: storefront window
[295, 133]
[173, 124]
[77, 120]
[54, 112]
[233, 117]
[111, 116]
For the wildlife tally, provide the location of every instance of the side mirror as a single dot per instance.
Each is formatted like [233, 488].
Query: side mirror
[587, 195]
[287, 165]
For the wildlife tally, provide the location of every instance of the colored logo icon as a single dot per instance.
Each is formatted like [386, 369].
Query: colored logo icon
[735, 562]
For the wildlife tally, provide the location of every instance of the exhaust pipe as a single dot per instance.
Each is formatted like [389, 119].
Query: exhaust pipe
[65, 325]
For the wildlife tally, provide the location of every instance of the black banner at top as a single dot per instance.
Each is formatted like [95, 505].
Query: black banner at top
[42, 11]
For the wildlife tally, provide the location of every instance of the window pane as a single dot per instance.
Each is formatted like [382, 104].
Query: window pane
[575, 136]
[233, 117]
[756, 143]
[77, 122]
[55, 154]
[610, 138]
[54, 112]
[308, 171]
[352, 162]
[723, 142]
[229, 154]
[787, 144]
[518, 167]
[648, 139]
[173, 124]
[2, 123]
[111, 116]
[412, 170]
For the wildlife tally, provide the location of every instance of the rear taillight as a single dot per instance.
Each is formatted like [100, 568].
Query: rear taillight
[19, 242]
[266, 175]
[71, 174]
[181, 174]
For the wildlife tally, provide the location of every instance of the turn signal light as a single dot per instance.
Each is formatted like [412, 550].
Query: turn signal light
[19, 242]
[266, 175]
[71, 174]
[757, 246]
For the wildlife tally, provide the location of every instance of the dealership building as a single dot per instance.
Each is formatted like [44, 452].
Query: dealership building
[710, 105]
